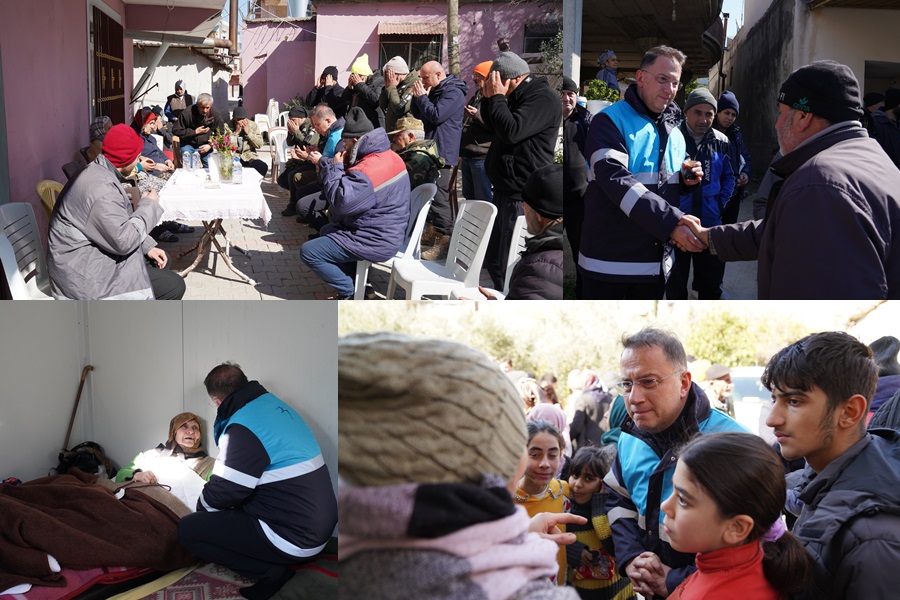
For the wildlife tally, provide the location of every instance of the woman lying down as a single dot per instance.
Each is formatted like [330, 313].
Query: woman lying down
[180, 464]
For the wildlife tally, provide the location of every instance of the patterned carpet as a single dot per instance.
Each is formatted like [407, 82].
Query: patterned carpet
[209, 582]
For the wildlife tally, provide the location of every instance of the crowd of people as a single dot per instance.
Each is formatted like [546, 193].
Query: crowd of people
[654, 188]
[476, 483]
[355, 155]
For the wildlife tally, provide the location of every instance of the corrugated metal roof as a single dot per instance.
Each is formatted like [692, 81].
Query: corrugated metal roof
[406, 28]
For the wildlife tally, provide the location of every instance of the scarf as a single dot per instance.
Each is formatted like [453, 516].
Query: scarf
[439, 541]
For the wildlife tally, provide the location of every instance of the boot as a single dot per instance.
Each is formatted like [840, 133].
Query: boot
[439, 250]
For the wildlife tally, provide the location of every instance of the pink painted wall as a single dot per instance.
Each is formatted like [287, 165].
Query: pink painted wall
[45, 84]
[347, 30]
[288, 67]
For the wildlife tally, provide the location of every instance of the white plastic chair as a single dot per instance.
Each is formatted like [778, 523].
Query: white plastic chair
[516, 246]
[465, 256]
[272, 112]
[31, 280]
[262, 121]
[283, 118]
[278, 149]
[419, 205]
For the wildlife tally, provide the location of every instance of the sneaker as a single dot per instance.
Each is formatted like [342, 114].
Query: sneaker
[290, 211]
[439, 250]
[178, 227]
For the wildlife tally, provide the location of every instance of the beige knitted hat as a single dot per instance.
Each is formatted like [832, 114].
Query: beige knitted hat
[424, 411]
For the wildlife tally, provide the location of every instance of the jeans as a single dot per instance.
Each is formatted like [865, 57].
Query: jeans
[475, 182]
[261, 167]
[166, 284]
[334, 265]
[204, 158]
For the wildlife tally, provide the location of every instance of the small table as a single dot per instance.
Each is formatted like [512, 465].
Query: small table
[190, 196]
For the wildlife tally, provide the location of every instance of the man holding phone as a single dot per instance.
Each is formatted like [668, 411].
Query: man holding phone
[195, 127]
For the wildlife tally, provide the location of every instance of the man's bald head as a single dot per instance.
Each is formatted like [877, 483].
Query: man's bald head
[432, 73]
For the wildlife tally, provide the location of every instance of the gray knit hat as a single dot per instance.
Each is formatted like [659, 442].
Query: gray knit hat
[424, 411]
[397, 65]
[700, 96]
[510, 65]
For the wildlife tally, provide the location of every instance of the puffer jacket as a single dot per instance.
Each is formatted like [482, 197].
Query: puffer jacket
[708, 199]
[441, 110]
[98, 241]
[366, 95]
[369, 200]
[539, 273]
[850, 520]
[526, 129]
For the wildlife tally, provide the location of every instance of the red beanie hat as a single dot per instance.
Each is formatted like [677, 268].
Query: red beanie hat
[122, 145]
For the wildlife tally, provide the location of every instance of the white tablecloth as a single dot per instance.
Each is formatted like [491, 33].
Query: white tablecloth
[188, 196]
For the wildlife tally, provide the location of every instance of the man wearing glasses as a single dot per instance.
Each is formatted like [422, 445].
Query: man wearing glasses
[631, 216]
[665, 409]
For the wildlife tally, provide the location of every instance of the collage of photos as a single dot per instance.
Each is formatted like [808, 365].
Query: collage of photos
[342, 201]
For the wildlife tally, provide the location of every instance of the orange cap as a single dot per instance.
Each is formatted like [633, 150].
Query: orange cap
[483, 68]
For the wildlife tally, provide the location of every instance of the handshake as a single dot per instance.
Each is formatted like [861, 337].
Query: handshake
[689, 235]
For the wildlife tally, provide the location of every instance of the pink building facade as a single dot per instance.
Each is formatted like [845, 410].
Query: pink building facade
[296, 51]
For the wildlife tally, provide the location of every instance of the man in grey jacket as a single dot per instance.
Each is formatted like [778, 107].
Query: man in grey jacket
[848, 497]
[99, 239]
[832, 227]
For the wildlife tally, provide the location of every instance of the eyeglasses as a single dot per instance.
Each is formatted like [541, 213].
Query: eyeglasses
[647, 383]
[663, 80]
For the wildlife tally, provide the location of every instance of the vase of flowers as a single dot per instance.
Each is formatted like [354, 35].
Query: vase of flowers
[223, 144]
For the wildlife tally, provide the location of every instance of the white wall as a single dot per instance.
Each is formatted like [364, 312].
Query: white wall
[149, 361]
[199, 76]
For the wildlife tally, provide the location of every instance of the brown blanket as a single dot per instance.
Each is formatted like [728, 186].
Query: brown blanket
[83, 525]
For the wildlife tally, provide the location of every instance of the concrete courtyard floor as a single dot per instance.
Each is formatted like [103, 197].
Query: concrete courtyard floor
[272, 259]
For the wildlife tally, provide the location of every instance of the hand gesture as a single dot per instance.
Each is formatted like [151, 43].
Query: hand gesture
[419, 89]
[314, 157]
[159, 256]
[147, 163]
[353, 80]
[391, 79]
[545, 524]
[471, 110]
[648, 575]
[204, 148]
[692, 172]
[201, 130]
[292, 126]
[493, 85]
[699, 231]
[685, 239]
[152, 195]
[743, 179]
[339, 157]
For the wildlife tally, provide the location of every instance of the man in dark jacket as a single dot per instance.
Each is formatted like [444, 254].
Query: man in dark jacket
[367, 188]
[576, 120]
[631, 207]
[524, 115]
[196, 126]
[269, 502]
[832, 227]
[364, 90]
[885, 350]
[327, 91]
[884, 127]
[849, 495]
[590, 417]
[539, 273]
[438, 101]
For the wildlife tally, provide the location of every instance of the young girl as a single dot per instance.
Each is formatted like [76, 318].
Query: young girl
[592, 569]
[726, 505]
[538, 490]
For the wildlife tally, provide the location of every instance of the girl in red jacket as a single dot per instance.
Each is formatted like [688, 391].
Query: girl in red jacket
[726, 506]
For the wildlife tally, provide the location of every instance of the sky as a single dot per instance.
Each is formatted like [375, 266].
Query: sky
[735, 10]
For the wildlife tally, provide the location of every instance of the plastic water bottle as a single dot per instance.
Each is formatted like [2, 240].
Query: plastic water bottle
[237, 171]
[186, 160]
[195, 161]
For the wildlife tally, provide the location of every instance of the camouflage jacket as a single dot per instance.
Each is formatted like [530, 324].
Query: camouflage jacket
[423, 163]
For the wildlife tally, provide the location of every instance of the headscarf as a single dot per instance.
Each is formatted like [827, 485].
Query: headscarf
[179, 420]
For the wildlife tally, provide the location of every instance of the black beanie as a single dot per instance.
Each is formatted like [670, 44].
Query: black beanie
[298, 112]
[824, 88]
[543, 191]
[330, 71]
[239, 113]
[569, 85]
[356, 124]
[872, 98]
[885, 350]
[891, 98]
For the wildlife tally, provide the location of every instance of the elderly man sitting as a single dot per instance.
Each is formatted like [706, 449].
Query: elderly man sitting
[367, 188]
[423, 162]
[249, 140]
[98, 240]
[196, 126]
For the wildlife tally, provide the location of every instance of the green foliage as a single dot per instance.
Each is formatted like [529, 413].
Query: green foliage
[691, 86]
[598, 90]
[733, 340]
[551, 57]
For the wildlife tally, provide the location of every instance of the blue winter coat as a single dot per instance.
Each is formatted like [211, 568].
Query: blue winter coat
[369, 200]
[442, 113]
[333, 138]
[631, 203]
[708, 199]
